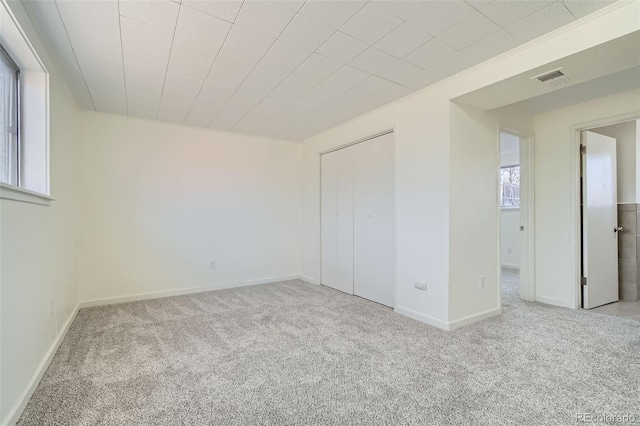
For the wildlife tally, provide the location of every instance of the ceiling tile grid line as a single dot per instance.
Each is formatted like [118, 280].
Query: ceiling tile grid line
[124, 73]
[74, 54]
[284, 79]
[213, 62]
[253, 68]
[169, 59]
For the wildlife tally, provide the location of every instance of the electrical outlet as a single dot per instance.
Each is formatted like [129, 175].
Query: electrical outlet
[509, 250]
[481, 281]
[212, 264]
[421, 285]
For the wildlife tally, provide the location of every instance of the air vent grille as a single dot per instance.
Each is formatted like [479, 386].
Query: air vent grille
[550, 76]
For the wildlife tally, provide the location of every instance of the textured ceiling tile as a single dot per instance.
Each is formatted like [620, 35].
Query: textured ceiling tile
[95, 64]
[293, 5]
[402, 40]
[400, 8]
[437, 16]
[264, 17]
[242, 50]
[430, 53]
[372, 60]
[331, 13]
[399, 71]
[421, 80]
[370, 24]
[465, 33]
[306, 33]
[452, 65]
[582, 8]
[491, 46]
[93, 27]
[197, 40]
[342, 47]
[507, 12]
[541, 22]
[223, 9]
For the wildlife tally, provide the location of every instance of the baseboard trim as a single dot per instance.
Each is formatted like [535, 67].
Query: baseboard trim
[422, 318]
[308, 279]
[183, 291]
[554, 302]
[510, 266]
[16, 412]
[474, 318]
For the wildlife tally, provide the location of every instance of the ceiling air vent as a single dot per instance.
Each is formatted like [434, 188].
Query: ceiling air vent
[552, 78]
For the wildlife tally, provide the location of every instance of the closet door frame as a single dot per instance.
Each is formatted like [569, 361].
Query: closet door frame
[394, 131]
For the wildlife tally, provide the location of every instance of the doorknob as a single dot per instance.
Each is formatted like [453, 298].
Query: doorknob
[618, 229]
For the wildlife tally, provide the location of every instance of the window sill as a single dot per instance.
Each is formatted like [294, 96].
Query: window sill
[509, 208]
[14, 193]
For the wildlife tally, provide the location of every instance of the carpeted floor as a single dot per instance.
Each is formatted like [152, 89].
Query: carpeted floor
[292, 353]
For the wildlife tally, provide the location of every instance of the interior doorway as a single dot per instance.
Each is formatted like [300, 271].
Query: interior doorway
[515, 197]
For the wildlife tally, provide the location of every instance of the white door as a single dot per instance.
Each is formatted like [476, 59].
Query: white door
[329, 222]
[526, 199]
[337, 220]
[374, 249]
[599, 221]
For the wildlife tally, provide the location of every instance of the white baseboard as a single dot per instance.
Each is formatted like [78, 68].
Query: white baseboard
[182, 291]
[16, 412]
[555, 302]
[308, 279]
[422, 318]
[510, 266]
[474, 318]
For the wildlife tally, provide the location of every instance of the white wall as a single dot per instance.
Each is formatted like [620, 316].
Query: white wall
[38, 254]
[626, 158]
[556, 192]
[160, 201]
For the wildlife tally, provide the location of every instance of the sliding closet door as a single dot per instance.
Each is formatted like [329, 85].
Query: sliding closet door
[374, 248]
[337, 220]
[329, 223]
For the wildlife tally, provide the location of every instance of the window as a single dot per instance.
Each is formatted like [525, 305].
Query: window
[510, 186]
[9, 111]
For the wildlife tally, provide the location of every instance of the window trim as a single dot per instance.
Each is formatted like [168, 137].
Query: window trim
[18, 142]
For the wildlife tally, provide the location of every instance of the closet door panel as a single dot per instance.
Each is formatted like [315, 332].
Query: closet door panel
[329, 220]
[374, 232]
[344, 201]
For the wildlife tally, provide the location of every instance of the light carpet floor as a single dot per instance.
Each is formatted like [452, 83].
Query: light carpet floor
[296, 354]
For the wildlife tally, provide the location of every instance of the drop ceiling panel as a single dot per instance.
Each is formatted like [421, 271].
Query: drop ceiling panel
[469, 31]
[306, 33]
[197, 40]
[505, 13]
[400, 8]
[541, 22]
[241, 51]
[402, 40]
[370, 24]
[437, 16]
[92, 26]
[342, 47]
[265, 17]
[332, 13]
[276, 68]
[223, 9]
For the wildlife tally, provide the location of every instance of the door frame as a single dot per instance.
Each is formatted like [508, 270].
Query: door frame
[527, 260]
[574, 200]
[393, 130]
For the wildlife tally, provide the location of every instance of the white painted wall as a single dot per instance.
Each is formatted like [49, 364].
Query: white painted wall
[626, 158]
[556, 221]
[38, 254]
[158, 202]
